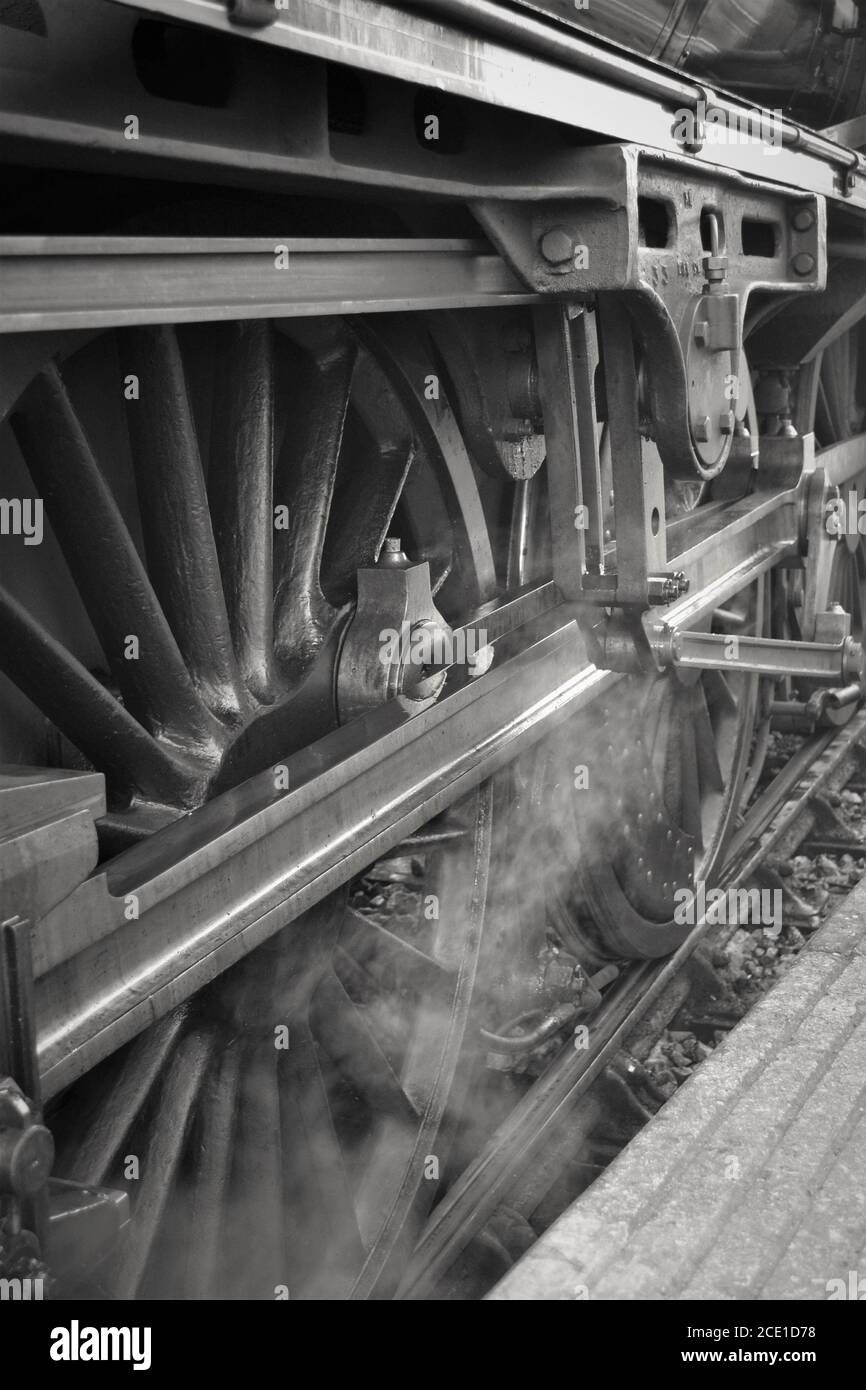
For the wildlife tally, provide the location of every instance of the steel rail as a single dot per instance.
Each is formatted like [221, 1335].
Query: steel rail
[486, 1182]
[520, 64]
[101, 282]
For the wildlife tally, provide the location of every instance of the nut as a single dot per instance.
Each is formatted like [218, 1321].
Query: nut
[701, 429]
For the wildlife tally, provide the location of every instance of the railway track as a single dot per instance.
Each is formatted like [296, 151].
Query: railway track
[780, 819]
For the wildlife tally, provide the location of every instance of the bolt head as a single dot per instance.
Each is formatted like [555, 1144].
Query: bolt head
[803, 220]
[727, 422]
[803, 263]
[557, 245]
[702, 333]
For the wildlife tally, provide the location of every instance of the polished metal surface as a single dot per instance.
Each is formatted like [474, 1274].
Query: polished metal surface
[71, 282]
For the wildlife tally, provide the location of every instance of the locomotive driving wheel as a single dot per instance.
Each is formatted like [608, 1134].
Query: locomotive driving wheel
[211, 494]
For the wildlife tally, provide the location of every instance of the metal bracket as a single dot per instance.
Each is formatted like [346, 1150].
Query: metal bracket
[685, 249]
[570, 344]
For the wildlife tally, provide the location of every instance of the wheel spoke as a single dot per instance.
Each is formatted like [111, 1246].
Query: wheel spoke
[240, 484]
[341, 1029]
[366, 937]
[304, 483]
[117, 1094]
[328, 1224]
[109, 575]
[838, 385]
[710, 774]
[362, 519]
[160, 1156]
[661, 729]
[256, 1237]
[205, 1205]
[720, 694]
[379, 452]
[690, 791]
[88, 714]
[176, 522]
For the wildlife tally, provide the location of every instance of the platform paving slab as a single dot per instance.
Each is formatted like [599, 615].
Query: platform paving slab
[750, 1183]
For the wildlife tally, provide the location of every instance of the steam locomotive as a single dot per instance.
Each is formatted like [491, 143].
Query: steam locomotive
[325, 326]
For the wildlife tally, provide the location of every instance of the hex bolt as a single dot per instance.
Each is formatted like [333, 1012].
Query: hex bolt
[727, 422]
[701, 429]
[715, 269]
[803, 263]
[803, 220]
[558, 245]
[666, 588]
[702, 333]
